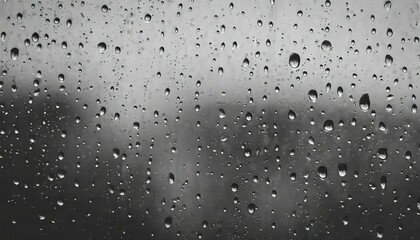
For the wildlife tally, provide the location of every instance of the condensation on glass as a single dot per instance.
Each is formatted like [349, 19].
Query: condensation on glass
[209, 119]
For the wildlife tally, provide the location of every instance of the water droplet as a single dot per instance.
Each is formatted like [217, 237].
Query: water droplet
[245, 63]
[147, 18]
[14, 53]
[322, 172]
[35, 37]
[342, 169]
[115, 153]
[383, 182]
[60, 202]
[61, 173]
[234, 187]
[247, 152]
[222, 113]
[414, 108]
[382, 126]
[248, 116]
[388, 60]
[387, 5]
[171, 178]
[104, 8]
[329, 125]
[136, 125]
[291, 115]
[379, 232]
[251, 208]
[101, 47]
[364, 102]
[313, 95]
[389, 32]
[168, 222]
[382, 153]
[294, 60]
[326, 46]
[220, 71]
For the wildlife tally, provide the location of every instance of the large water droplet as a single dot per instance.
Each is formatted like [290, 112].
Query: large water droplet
[222, 113]
[364, 102]
[388, 60]
[104, 8]
[382, 153]
[294, 60]
[171, 178]
[247, 152]
[326, 46]
[313, 95]
[251, 208]
[115, 153]
[101, 47]
[35, 37]
[234, 187]
[245, 63]
[248, 116]
[322, 172]
[329, 125]
[379, 232]
[168, 222]
[342, 169]
[14, 53]
[291, 115]
[147, 18]
[387, 5]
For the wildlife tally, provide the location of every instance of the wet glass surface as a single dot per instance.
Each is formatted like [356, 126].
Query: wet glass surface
[209, 119]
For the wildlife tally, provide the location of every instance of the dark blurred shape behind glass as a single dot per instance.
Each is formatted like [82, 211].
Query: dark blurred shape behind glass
[209, 119]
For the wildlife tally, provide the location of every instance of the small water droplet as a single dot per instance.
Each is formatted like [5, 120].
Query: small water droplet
[168, 222]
